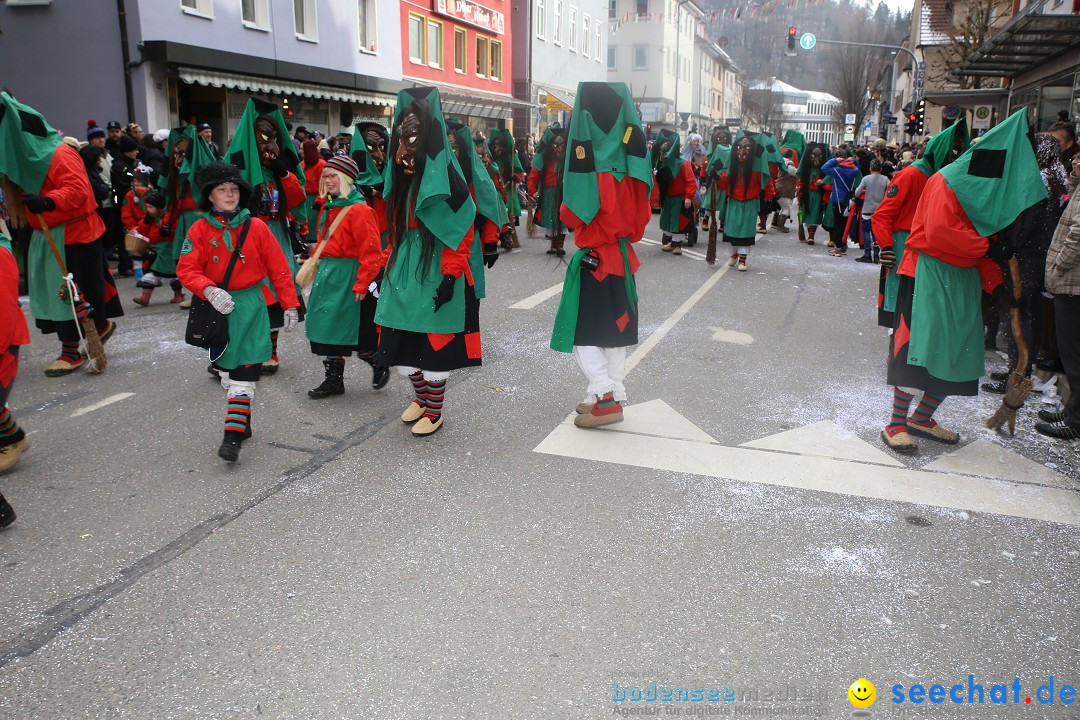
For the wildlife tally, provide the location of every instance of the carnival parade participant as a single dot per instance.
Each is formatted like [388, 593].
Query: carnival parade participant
[313, 167]
[609, 175]
[785, 190]
[341, 307]
[775, 162]
[13, 334]
[490, 209]
[891, 222]
[745, 180]
[719, 142]
[44, 179]
[500, 144]
[845, 177]
[428, 312]
[961, 231]
[545, 186]
[187, 154]
[228, 230]
[369, 154]
[674, 188]
[267, 160]
[814, 189]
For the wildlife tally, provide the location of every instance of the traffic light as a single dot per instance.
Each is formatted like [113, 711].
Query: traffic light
[920, 116]
[791, 39]
[912, 124]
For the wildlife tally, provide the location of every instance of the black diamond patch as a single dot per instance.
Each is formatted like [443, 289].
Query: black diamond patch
[987, 163]
[237, 159]
[459, 190]
[33, 124]
[582, 159]
[602, 103]
[636, 145]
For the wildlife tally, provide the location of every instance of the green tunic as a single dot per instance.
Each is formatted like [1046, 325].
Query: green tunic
[312, 216]
[549, 208]
[814, 211]
[45, 279]
[741, 221]
[406, 301]
[671, 213]
[476, 264]
[333, 314]
[892, 280]
[168, 252]
[249, 330]
[946, 321]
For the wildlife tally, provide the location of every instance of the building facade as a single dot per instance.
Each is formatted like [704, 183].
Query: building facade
[327, 63]
[811, 112]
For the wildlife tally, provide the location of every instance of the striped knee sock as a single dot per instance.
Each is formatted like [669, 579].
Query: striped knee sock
[924, 413]
[435, 392]
[420, 386]
[69, 351]
[239, 414]
[273, 345]
[606, 400]
[812, 230]
[900, 404]
[8, 427]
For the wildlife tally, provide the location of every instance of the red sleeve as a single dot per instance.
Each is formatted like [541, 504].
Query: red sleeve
[456, 262]
[723, 182]
[130, 215]
[369, 248]
[689, 184]
[147, 227]
[826, 193]
[68, 185]
[13, 328]
[991, 275]
[294, 195]
[533, 181]
[189, 269]
[489, 233]
[883, 219]
[770, 190]
[277, 267]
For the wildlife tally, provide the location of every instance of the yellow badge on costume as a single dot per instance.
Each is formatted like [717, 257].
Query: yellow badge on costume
[580, 152]
[626, 135]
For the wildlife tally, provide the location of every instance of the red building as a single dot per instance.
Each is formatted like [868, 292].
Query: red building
[463, 48]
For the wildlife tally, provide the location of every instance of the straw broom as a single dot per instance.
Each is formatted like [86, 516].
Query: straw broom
[80, 309]
[1019, 386]
[710, 249]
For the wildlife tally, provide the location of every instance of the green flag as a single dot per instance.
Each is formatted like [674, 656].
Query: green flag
[370, 175]
[605, 136]
[244, 153]
[488, 202]
[27, 144]
[442, 201]
[998, 178]
[944, 147]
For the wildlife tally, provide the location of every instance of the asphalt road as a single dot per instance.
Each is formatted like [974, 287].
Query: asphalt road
[745, 528]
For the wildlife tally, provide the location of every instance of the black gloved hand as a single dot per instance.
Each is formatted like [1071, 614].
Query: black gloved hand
[279, 167]
[445, 292]
[38, 204]
[165, 232]
[1000, 251]
[491, 254]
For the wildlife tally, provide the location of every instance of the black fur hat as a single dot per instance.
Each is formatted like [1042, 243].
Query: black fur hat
[218, 173]
[156, 199]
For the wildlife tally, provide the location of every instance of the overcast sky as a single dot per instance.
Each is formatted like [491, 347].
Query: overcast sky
[894, 5]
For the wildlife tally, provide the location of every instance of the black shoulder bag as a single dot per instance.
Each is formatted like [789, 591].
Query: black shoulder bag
[206, 327]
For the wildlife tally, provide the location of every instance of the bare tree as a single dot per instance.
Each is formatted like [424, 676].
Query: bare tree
[980, 19]
[854, 76]
[763, 107]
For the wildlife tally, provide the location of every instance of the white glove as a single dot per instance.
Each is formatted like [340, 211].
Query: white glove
[221, 300]
[292, 316]
[373, 290]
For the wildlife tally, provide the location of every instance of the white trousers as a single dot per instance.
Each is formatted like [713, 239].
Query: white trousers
[785, 206]
[429, 375]
[741, 250]
[236, 388]
[605, 368]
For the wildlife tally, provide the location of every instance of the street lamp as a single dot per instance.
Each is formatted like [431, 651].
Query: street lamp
[678, 62]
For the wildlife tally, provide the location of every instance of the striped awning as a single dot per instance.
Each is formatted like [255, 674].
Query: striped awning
[274, 86]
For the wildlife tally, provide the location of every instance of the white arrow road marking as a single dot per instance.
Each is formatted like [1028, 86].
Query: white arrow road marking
[102, 403]
[983, 457]
[824, 439]
[732, 336]
[533, 300]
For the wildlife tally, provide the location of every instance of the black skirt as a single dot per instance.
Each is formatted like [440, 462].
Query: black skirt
[367, 336]
[901, 374]
[436, 353]
[604, 315]
[86, 262]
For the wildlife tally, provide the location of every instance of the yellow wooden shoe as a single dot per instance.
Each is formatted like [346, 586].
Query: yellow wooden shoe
[10, 454]
[62, 366]
[425, 427]
[583, 408]
[414, 412]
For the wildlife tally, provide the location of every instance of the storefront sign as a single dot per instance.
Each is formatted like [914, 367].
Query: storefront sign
[472, 13]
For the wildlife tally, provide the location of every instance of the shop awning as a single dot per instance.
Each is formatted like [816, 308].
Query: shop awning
[967, 98]
[458, 100]
[1031, 38]
[273, 86]
[559, 100]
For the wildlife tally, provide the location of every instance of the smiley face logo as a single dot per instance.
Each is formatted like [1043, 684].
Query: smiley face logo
[862, 693]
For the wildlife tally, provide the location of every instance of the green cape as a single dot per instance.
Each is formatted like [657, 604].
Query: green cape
[794, 140]
[442, 203]
[538, 156]
[27, 144]
[198, 156]
[508, 140]
[605, 136]
[998, 178]
[244, 153]
[673, 159]
[488, 202]
[369, 172]
[719, 159]
[938, 149]
[772, 151]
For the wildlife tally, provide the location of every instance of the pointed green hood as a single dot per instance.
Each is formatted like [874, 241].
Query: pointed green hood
[198, 156]
[488, 202]
[605, 136]
[244, 153]
[508, 166]
[938, 152]
[369, 171]
[538, 156]
[772, 150]
[794, 140]
[442, 203]
[998, 178]
[673, 159]
[759, 161]
[27, 144]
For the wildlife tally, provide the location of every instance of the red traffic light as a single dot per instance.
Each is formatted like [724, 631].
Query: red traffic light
[791, 32]
[913, 117]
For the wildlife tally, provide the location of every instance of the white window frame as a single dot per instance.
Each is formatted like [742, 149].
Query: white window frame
[599, 37]
[586, 23]
[262, 16]
[541, 19]
[436, 62]
[464, 67]
[311, 21]
[571, 39]
[422, 58]
[370, 10]
[556, 28]
[203, 8]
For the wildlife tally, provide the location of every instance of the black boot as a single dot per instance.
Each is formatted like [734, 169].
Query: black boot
[334, 383]
[230, 446]
[7, 513]
[380, 375]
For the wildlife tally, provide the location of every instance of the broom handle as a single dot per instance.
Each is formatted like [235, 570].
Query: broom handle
[52, 244]
[1022, 351]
